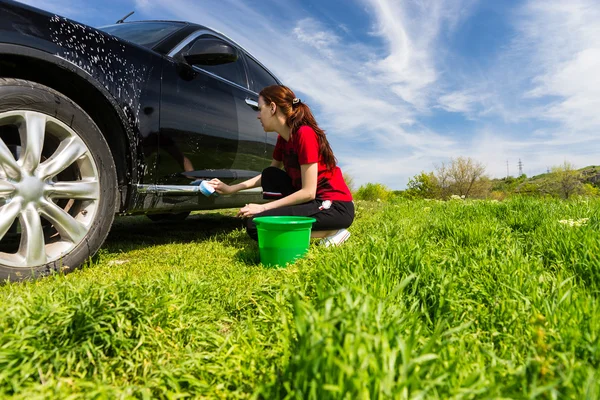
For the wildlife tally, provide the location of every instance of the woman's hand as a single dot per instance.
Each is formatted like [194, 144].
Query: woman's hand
[220, 187]
[251, 210]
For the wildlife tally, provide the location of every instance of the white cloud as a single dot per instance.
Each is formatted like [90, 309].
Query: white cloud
[555, 58]
[463, 101]
[143, 4]
[409, 66]
[310, 32]
[411, 29]
[564, 39]
[536, 155]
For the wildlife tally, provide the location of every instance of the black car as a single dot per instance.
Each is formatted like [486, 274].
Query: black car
[116, 120]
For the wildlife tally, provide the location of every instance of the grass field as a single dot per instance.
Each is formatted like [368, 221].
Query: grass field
[426, 300]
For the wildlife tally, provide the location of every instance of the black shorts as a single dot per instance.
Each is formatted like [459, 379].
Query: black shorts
[340, 214]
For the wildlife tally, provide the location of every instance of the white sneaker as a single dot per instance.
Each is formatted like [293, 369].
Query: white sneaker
[336, 239]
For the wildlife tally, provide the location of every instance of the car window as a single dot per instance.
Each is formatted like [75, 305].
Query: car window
[146, 34]
[259, 76]
[233, 72]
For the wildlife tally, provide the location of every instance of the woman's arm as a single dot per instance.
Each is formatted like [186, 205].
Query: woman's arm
[308, 192]
[276, 164]
[223, 188]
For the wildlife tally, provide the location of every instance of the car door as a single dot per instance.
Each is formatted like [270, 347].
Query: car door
[206, 129]
[260, 78]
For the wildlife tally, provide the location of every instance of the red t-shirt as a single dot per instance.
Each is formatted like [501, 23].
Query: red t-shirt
[303, 148]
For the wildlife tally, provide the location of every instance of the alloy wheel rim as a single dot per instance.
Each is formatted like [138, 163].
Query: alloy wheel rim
[50, 214]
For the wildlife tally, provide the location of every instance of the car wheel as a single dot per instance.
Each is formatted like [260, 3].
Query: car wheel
[58, 186]
[173, 217]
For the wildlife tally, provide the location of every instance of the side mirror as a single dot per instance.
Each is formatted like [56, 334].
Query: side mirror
[208, 51]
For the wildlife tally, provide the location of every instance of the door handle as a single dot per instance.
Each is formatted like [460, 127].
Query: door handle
[252, 103]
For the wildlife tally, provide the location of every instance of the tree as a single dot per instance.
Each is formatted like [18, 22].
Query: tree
[481, 188]
[463, 177]
[464, 173]
[443, 180]
[565, 180]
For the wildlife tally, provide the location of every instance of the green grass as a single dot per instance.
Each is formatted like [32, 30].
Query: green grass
[426, 300]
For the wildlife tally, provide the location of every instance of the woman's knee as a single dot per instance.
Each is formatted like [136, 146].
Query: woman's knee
[272, 176]
[271, 171]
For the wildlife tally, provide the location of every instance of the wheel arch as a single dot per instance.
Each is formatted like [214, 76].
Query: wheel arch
[66, 78]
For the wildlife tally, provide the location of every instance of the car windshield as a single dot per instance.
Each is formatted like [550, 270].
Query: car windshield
[146, 34]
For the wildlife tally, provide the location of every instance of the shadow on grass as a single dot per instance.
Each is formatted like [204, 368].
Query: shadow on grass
[248, 255]
[139, 231]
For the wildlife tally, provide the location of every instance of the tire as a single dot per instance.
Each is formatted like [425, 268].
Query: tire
[171, 217]
[58, 183]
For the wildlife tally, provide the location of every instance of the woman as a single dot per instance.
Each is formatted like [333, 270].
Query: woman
[312, 184]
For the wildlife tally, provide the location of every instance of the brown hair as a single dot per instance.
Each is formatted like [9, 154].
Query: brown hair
[298, 114]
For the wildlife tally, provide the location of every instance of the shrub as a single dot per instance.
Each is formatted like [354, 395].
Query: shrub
[373, 191]
[590, 190]
[423, 186]
[497, 195]
[349, 179]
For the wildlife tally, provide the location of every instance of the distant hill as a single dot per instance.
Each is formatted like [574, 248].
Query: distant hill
[589, 174]
[524, 184]
[586, 182]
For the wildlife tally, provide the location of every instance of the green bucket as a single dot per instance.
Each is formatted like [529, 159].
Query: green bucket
[282, 239]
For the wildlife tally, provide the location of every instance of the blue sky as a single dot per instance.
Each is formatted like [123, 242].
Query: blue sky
[403, 85]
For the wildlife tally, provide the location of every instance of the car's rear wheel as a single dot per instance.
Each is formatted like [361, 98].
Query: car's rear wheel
[57, 182]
